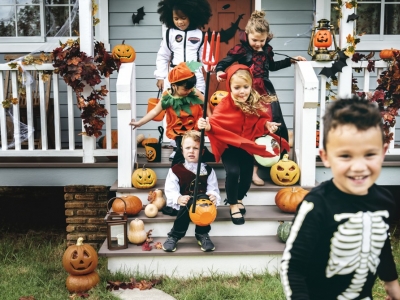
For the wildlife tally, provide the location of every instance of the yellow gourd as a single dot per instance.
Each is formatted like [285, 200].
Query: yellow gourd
[137, 235]
[156, 197]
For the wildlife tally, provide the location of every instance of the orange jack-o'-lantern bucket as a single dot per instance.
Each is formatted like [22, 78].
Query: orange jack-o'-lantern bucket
[153, 150]
[151, 103]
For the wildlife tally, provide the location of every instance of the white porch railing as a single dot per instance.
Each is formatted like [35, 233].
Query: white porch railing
[27, 147]
[308, 108]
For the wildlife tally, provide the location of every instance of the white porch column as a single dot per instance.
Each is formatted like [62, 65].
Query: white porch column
[87, 46]
[126, 110]
[344, 78]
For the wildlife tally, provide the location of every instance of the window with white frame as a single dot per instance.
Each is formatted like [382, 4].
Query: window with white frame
[379, 20]
[34, 20]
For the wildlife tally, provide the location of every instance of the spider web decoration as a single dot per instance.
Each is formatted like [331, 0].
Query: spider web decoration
[25, 131]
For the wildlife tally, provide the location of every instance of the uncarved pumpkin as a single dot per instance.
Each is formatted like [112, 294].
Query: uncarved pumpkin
[82, 283]
[149, 140]
[125, 53]
[102, 142]
[136, 234]
[133, 204]
[144, 178]
[284, 231]
[205, 212]
[80, 259]
[287, 199]
[386, 54]
[285, 172]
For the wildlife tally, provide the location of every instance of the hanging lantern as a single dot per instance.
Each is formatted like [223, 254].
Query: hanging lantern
[321, 39]
[117, 227]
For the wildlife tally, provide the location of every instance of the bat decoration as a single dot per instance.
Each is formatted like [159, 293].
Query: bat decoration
[138, 16]
[337, 66]
[226, 6]
[352, 17]
[227, 34]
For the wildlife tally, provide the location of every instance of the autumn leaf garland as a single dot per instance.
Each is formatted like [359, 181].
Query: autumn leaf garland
[79, 70]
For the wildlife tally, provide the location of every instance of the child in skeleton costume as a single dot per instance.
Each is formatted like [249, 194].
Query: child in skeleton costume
[183, 40]
[255, 52]
[183, 107]
[232, 129]
[179, 186]
[339, 241]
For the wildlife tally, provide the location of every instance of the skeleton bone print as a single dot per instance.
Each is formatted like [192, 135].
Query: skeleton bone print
[356, 247]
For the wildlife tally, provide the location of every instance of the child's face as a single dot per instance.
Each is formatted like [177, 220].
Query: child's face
[257, 40]
[181, 91]
[240, 88]
[180, 20]
[355, 157]
[190, 150]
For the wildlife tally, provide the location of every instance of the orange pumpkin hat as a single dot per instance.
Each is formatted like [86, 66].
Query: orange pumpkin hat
[179, 73]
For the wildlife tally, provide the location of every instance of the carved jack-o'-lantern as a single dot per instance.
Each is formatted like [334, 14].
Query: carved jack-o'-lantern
[151, 153]
[285, 172]
[272, 146]
[80, 259]
[144, 178]
[323, 38]
[216, 98]
[125, 53]
[205, 212]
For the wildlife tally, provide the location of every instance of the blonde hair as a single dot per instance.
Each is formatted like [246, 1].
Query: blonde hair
[252, 104]
[193, 134]
[258, 23]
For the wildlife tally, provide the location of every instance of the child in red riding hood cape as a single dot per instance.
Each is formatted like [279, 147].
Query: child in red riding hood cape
[236, 122]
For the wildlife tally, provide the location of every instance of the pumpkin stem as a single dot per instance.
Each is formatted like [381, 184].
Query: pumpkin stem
[79, 242]
[123, 42]
[285, 157]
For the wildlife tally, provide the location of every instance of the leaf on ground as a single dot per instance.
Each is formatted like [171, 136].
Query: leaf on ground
[132, 284]
[146, 247]
[157, 245]
[79, 295]
[27, 298]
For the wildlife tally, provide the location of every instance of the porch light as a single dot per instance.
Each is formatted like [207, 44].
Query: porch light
[117, 236]
[321, 38]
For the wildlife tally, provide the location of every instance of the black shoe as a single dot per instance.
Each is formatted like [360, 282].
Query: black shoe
[237, 221]
[170, 244]
[242, 210]
[204, 241]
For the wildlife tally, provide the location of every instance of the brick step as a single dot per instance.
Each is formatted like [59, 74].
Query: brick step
[233, 255]
[260, 220]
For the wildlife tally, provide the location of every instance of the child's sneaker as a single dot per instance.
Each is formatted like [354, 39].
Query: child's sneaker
[204, 241]
[170, 244]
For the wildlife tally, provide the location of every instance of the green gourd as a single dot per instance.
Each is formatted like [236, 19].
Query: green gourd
[284, 230]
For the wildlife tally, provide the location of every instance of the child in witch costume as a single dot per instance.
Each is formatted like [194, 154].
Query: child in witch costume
[235, 123]
[183, 105]
[183, 40]
[179, 186]
[255, 51]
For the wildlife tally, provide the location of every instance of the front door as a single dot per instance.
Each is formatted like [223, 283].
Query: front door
[228, 16]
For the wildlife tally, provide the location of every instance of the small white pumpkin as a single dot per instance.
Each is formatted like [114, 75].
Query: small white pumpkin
[151, 210]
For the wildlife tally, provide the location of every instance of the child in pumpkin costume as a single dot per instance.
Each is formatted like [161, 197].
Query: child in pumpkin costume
[339, 241]
[255, 52]
[179, 186]
[235, 123]
[183, 107]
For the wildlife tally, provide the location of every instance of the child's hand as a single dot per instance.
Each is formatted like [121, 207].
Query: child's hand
[297, 58]
[218, 76]
[135, 124]
[212, 198]
[183, 200]
[204, 124]
[160, 84]
[272, 126]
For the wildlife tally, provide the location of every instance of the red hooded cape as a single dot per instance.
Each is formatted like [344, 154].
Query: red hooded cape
[231, 126]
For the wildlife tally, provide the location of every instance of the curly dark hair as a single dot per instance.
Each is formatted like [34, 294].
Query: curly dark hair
[198, 12]
[355, 111]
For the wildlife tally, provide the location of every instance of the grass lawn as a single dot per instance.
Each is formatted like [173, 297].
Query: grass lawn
[31, 265]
